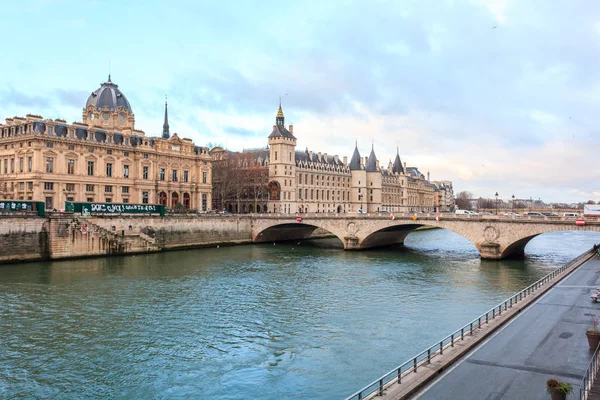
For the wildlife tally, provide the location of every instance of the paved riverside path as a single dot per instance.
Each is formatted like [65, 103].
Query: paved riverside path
[546, 340]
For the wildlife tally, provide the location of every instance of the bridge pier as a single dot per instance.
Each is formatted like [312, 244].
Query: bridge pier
[489, 251]
[351, 243]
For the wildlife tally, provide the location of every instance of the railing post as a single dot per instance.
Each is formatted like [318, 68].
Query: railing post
[486, 318]
[494, 313]
[359, 395]
[462, 333]
[479, 320]
[415, 363]
[381, 387]
[399, 374]
[429, 356]
[471, 329]
[452, 340]
[441, 347]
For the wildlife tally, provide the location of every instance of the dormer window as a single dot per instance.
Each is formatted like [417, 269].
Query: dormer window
[105, 116]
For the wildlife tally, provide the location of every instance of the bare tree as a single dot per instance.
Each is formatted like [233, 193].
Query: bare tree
[463, 200]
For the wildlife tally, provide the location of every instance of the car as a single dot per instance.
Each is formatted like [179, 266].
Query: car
[571, 215]
[486, 213]
[384, 212]
[549, 214]
[512, 214]
[533, 214]
[462, 212]
[361, 211]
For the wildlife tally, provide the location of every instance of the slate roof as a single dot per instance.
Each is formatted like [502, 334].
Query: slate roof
[355, 161]
[371, 165]
[280, 131]
[397, 168]
[108, 95]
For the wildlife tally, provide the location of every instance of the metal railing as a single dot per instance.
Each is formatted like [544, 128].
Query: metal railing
[412, 365]
[585, 388]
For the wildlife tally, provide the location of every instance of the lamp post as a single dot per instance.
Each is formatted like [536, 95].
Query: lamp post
[496, 203]
[513, 207]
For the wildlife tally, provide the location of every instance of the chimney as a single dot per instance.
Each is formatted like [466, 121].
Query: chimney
[310, 155]
[273, 126]
[325, 157]
[366, 159]
[377, 163]
[319, 157]
[291, 129]
[345, 160]
[428, 175]
[336, 158]
[405, 166]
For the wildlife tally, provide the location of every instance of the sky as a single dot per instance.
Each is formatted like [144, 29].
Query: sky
[494, 95]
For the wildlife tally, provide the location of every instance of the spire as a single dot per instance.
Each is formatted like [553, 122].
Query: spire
[166, 134]
[279, 120]
[355, 161]
[109, 81]
[398, 168]
[371, 165]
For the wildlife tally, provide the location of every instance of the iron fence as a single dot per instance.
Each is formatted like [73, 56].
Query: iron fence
[585, 388]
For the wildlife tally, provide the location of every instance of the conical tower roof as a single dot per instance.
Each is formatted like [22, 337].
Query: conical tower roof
[371, 165]
[397, 168]
[355, 160]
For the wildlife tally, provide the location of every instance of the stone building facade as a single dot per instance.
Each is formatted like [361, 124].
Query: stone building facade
[307, 181]
[102, 159]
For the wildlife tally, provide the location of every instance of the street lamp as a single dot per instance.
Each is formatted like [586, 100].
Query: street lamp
[496, 203]
[513, 208]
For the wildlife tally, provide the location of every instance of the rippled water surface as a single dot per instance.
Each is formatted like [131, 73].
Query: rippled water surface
[275, 322]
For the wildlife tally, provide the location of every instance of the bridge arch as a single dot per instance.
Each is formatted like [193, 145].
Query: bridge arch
[278, 231]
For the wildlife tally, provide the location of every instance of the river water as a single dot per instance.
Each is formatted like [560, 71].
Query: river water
[285, 321]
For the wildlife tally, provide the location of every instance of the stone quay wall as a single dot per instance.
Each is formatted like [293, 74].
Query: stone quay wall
[64, 236]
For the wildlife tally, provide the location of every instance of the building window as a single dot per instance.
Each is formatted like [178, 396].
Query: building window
[108, 151]
[29, 164]
[49, 145]
[49, 165]
[204, 202]
[204, 177]
[90, 168]
[109, 170]
[12, 166]
[6, 166]
[48, 185]
[145, 173]
[126, 171]
[125, 201]
[21, 164]
[50, 130]
[108, 189]
[90, 199]
[71, 167]
[70, 198]
[71, 147]
[185, 176]
[145, 155]
[48, 203]
[162, 174]
[30, 186]
[70, 187]
[145, 197]
[90, 149]
[89, 188]
[21, 186]
[174, 175]
[125, 190]
[108, 200]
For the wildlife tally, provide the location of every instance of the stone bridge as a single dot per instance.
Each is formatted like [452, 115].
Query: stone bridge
[495, 237]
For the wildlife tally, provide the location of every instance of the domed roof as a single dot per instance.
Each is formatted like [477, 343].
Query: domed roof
[109, 96]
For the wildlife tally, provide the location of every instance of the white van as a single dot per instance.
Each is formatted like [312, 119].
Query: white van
[571, 215]
[463, 212]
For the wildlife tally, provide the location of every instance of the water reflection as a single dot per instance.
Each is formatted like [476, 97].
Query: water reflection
[284, 321]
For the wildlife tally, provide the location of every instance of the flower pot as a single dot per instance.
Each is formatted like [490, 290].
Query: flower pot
[557, 395]
[593, 340]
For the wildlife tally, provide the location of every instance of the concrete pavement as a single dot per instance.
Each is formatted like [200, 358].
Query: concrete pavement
[546, 340]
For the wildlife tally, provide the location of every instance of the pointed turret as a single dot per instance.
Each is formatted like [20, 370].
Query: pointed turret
[165, 133]
[397, 169]
[371, 165]
[355, 160]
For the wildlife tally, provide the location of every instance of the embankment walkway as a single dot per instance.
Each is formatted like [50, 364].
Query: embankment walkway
[547, 340]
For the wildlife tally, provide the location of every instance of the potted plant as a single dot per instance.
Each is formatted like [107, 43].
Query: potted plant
[558, 390]
[593, 334]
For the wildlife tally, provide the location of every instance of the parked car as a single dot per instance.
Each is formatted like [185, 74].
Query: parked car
[361, 211]
[571, 215]
[512, 214]
[533, 214]
[462, 212]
